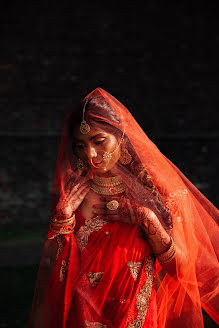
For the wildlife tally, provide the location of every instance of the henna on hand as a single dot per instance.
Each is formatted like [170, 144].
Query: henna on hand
[74, 192]
[158, 237]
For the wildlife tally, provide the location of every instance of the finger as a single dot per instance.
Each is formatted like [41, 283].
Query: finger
[74, 189]
[81, 182]
[81, 188]
[99, 206]
[83, 193]
[75, 195]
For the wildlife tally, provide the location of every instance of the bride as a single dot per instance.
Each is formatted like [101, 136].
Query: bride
[131, 242]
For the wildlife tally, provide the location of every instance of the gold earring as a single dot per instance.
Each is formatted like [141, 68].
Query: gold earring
[125, 157]
[80, 165]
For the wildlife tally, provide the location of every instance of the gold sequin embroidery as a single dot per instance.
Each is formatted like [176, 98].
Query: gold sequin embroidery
[91, 225]
[134, 269]
[144, 296]
[94, 278]
[60, 246]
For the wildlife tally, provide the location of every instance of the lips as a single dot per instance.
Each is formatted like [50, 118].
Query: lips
[97, 164]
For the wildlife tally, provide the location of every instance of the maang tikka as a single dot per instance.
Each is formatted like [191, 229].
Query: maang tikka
[84, 127]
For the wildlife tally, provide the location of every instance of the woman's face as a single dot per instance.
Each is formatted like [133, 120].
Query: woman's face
[90, 148]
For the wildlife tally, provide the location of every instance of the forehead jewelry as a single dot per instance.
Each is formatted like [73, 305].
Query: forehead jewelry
[84, 127]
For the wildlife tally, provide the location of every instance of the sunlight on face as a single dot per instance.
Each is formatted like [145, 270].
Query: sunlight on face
[91, 147]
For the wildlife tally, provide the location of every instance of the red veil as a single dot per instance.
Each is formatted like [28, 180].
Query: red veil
[194, 228]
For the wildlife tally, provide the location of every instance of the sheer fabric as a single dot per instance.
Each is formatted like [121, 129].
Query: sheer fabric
[103, 274]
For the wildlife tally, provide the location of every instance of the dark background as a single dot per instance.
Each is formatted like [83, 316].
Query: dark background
[159, 60]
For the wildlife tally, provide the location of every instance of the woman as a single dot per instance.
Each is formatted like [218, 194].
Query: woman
[131, 242]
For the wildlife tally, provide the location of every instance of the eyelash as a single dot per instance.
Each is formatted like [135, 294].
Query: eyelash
[96, 143]
[99, 142]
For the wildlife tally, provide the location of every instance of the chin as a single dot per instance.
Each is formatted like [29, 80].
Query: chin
[101, 170]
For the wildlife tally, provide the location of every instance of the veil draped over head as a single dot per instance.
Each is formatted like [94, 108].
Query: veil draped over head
[182, 210]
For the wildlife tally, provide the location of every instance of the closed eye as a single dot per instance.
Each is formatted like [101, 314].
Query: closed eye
[99, 141]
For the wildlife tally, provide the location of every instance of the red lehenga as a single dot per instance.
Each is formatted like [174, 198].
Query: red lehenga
[104, 274]
[117, 286]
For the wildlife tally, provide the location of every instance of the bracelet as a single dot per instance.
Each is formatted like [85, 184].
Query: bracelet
[56, 222]
[63, 226]
[61, 232]
[168, 255]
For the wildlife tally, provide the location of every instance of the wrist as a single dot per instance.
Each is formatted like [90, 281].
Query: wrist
[62, 226]
[168, 255]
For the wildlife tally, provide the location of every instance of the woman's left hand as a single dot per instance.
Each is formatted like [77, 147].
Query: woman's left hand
[125, 209]
[115, 208]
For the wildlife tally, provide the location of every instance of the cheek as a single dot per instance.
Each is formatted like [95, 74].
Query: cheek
[115, 148]
[112, 145]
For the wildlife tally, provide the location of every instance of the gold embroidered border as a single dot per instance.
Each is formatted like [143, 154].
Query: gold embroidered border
[63, 271]
[144, 296]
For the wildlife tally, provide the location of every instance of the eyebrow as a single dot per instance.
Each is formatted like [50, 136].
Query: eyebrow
[91, 138]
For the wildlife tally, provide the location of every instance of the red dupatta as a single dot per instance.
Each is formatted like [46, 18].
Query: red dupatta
[181, 298]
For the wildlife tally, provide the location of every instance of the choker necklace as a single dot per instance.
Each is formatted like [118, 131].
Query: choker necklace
[107, 186]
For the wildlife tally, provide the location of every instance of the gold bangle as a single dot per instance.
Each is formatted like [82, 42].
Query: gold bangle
[168, 255]
[169, 259]
[54, 222]
[62, 231]
[59, 224]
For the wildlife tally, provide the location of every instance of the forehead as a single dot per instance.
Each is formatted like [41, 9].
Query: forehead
[84, 137]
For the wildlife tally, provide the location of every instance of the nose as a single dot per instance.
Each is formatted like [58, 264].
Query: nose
[91, 152]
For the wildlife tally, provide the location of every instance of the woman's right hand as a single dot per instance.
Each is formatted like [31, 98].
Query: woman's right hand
[74, 193]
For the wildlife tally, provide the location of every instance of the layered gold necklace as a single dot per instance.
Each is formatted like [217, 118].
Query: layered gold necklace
[107, 186]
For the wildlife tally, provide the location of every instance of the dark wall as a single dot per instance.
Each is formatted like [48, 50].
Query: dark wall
[159, 60]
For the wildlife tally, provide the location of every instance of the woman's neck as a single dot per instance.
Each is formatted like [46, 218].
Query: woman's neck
[107, 174]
